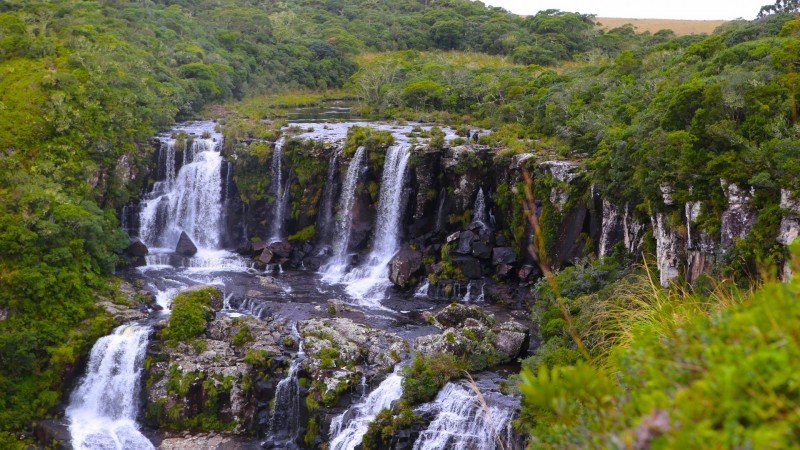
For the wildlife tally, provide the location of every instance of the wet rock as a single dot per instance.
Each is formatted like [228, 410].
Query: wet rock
[503, 255]
[218, 368]
[210, 441]
[470, 267]
[137, 249]
[453, 237]
[465, 240]
[527, 272]
[503, 270]
[53, 434]
[481, 250]
[404, 265]
[282, 250]
[456, 315]
[266, 256]
[185, 245]
[355, 344]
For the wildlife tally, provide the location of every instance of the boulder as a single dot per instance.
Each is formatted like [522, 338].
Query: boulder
[511, 339]
[503, 255]
[137, 249]
[185, 245]
[457, 314]
[404, 265]
[503, 270]
[470, 267]
[465, 240]
[481, 250]
[282, 250]
[266, 256]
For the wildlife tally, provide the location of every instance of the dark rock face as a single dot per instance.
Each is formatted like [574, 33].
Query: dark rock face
[470, 267]
[137, 249]
[503, 255]
[185, 245]
[405, 264]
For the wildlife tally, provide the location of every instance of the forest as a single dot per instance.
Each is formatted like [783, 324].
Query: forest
[85, 84]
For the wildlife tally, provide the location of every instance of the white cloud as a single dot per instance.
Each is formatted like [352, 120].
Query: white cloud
[673, 9]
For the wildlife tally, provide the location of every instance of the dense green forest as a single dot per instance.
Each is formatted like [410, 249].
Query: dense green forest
[84, 84]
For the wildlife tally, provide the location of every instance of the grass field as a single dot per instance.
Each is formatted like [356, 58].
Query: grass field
[680, 27]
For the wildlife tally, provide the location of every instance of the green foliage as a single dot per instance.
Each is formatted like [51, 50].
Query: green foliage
[306, 234]
[423, 378]
[711, 371]
[191, 312]
[242, 337]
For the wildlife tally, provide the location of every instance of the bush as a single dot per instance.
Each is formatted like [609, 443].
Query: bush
[191, 312]
[423, 378]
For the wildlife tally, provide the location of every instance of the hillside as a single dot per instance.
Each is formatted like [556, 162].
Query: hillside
[680, 27]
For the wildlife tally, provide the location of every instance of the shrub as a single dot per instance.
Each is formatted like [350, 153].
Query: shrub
[191, 312]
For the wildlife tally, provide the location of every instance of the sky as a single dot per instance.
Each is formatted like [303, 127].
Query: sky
[642, 9]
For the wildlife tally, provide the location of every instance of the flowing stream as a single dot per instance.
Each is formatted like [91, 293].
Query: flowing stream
[284, 424]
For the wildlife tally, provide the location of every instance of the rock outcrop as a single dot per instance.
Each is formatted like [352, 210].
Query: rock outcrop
[185, 245]
[404, 266]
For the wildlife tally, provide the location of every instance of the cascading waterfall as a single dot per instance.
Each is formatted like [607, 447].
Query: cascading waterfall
[422, 290]
[368, 282]
[284, 424]
[333, 271]
[462, 422]
[479, 211]
[188, 201]
[102, 410]
[279, 190]
[325, 224]
[348, 429]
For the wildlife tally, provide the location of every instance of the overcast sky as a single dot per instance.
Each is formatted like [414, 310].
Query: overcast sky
[642, 9]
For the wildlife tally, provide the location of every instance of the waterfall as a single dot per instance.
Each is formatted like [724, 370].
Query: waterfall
[279, 190]
[325, 222]
[348, 428]
[284, 424]
[422, 290]
[463, 422]
[102, 410]
[336, 266]
[190, 200]
[479, 211]
[440, 212]
[368, 282]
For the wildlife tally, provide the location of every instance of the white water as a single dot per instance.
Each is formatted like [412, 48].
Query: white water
[334, 269]
[190, 200]
[368, 282]
[422, 290]
[479, 210]
[280, 192]
[102, 410]
[348, 428]
[284, 422]
[462, 423]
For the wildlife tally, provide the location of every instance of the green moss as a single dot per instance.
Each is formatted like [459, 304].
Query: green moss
[242, 337]
[423, 378]
[306, 234]
[311, 432]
